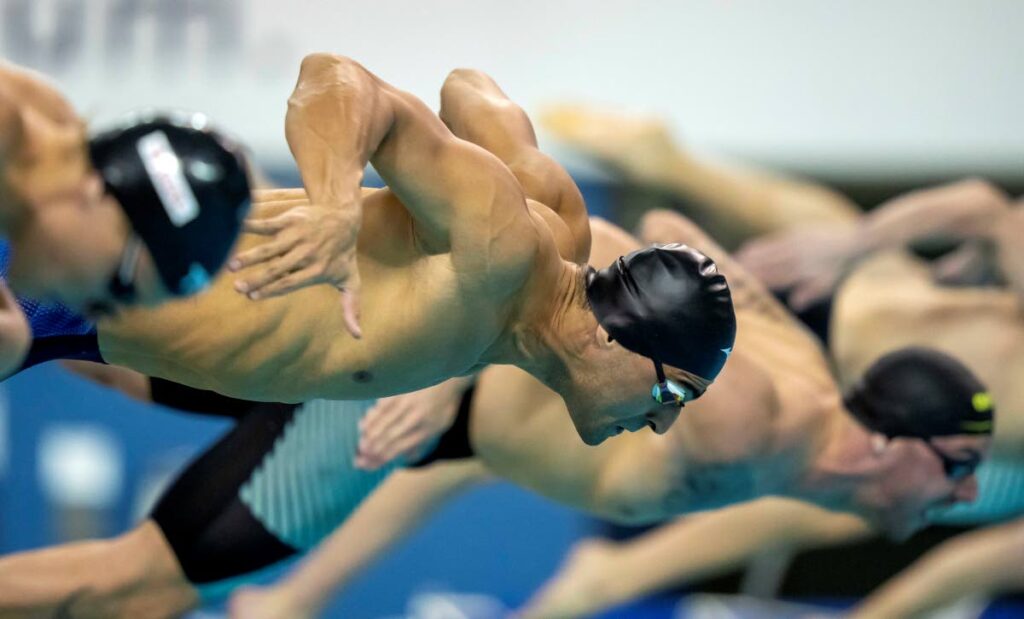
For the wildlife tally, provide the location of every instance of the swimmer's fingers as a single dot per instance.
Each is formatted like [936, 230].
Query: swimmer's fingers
[390, 424]
[265, 251]
[301, 278]
[411, 439]
[812, 291]
[405, 447]
[386, 412]
[269, 226]
[276, 195]
[268, 281]
[350, 304]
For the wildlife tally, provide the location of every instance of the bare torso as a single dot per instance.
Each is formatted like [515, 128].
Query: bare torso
[425, 317]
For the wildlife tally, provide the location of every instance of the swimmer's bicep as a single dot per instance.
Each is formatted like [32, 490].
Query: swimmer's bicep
[458, 194]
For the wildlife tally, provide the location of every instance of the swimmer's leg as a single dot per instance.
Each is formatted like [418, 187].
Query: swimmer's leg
[134, 576]
[475, 109]
[733, 203]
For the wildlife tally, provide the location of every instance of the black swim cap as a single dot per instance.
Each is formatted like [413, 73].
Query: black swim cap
[183, 187]
[668, 303]
[920, 393]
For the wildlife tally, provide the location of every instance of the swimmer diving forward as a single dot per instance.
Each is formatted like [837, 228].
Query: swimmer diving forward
[460, 267]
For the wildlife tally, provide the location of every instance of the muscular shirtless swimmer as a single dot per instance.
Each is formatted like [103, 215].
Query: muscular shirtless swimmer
[459, 259]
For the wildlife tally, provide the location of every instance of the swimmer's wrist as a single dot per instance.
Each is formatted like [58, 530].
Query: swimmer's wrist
[303, 601]
[344, 190]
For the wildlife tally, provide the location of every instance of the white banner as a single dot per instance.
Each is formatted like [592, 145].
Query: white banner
[874, 86]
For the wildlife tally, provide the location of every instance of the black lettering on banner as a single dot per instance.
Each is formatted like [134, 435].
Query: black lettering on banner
[175, 22]
[54, 46]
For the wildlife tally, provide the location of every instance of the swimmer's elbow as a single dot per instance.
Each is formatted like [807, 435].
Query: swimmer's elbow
[321, 63]
[327, 74]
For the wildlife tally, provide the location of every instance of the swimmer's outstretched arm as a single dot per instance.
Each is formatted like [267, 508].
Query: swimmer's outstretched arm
[962, 210]
[980, 563]
[340, 117]
[599, 575]
[811, 261]
[400, 505]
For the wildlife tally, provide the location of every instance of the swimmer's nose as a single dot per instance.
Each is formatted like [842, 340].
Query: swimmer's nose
[662, 419]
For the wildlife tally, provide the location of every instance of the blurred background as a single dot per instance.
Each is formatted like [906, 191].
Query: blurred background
[871, 97]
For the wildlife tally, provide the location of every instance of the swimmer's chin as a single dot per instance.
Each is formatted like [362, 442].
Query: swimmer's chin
[596, 438]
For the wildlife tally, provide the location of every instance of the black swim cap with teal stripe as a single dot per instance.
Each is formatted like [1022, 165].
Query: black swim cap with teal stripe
[920, 393]
[668, 303]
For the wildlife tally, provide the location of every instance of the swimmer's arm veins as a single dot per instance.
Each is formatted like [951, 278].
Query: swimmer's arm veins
[341, 116]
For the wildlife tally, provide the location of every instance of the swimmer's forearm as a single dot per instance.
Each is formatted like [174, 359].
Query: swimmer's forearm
[393, 511]
[707, 545]
[337, 117]
[981, 563]
[962, 210]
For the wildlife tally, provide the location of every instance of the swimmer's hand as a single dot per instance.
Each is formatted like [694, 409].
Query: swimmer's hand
[267, 603]
[308, 245]
[807, 262]
[406, 425]
[588, 582]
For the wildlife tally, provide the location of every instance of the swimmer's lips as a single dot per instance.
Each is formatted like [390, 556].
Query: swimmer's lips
[620, 429]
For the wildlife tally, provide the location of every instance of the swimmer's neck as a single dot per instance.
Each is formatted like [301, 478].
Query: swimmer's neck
[841, 464]
[552, 332]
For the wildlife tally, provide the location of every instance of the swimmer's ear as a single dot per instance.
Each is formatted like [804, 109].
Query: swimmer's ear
[879, 443]
[603, 340]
